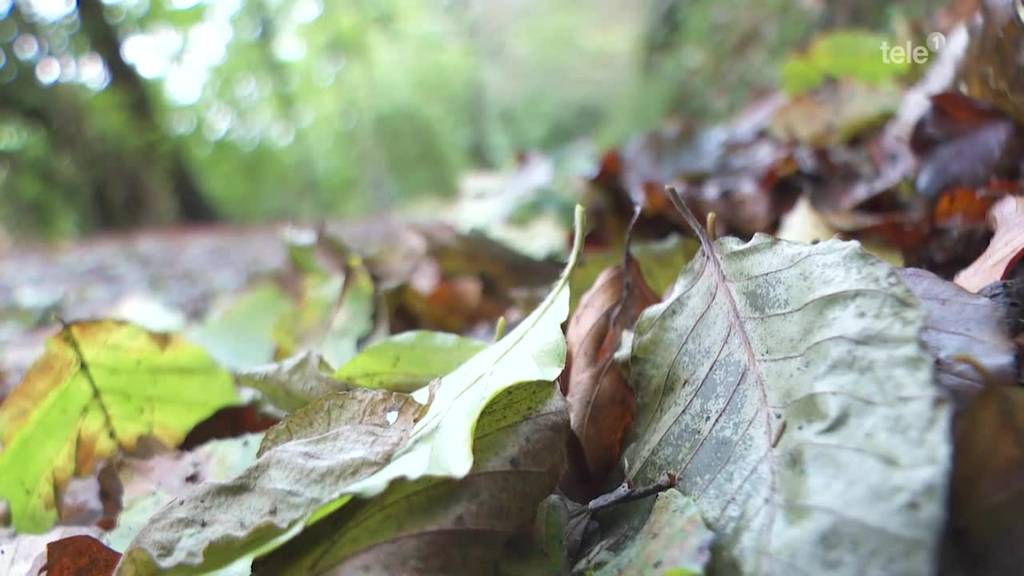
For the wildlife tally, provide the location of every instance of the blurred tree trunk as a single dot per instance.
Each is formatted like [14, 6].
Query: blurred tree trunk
[157, 151]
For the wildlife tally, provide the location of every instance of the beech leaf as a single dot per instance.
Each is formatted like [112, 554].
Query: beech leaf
[786, 387]
[601, 402]
[99, 387]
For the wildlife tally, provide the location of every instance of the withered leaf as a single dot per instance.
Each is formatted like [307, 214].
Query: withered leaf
[601, 402]
[445, 526]
[786, 387]
[80, 556]
[964, 332]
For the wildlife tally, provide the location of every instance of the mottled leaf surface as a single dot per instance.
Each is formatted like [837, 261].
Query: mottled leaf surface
[446, 526]
[786, 386]
[98, 387]
[307, 461]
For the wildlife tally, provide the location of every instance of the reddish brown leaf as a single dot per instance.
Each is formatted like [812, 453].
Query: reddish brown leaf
[1005, 249]
[962, 142]
[228, 423]
[80, 556]
[601, 402]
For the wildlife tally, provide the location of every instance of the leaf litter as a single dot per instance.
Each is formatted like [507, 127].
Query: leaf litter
[817, 409]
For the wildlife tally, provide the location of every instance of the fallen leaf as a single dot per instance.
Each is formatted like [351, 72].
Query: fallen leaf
[601, 402]
[293, 382]
[26, 553]
[836, 113]
[987, 492]
[307, 461]
[148, 484]
[659, 260]
[1003, 252]
[673, 540]
[99, 386]
[377, 408]
[80, 556]
[962, 142]
[446, 526]
[309, 476]
[353, 319]
[786, 387]
[964, 332]
[240, 334]
[408, 361]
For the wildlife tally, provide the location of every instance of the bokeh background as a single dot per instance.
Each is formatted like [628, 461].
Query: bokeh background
[129, 113]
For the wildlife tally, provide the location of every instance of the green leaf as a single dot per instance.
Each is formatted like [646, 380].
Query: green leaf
[408, 361]
[98, 387]
[673, 540]
[353, 319]
[312, 474]
[786, 386]
[851, 54]
[241, 335]
[446, 526]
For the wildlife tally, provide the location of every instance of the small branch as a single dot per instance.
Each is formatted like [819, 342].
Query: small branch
[624, 494]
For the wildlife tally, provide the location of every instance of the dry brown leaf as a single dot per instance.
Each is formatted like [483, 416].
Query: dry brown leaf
[80, 556]
[601, 402]
[966, 334]
[1005, 249]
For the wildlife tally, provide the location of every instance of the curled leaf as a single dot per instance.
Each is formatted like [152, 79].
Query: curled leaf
[601, 402]
[1003, 252]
